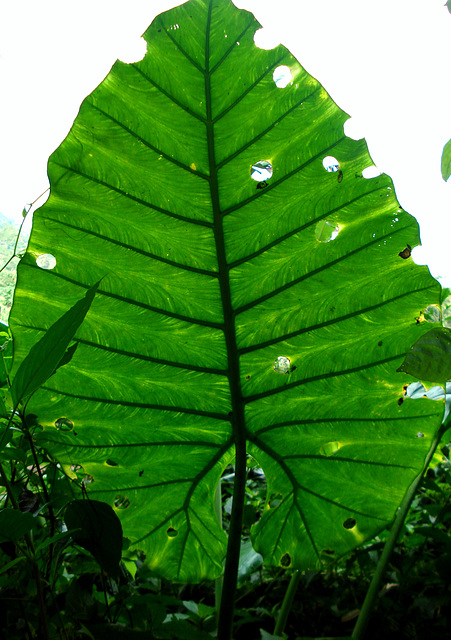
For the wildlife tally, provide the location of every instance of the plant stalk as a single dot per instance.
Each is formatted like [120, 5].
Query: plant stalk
[218, 581]
[287, 604]
[225, 621]
[46, 497]
[368, 604]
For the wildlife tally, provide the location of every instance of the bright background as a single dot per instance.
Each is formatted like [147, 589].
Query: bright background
[385, 63]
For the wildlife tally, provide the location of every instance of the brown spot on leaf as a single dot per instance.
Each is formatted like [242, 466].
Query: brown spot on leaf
[400, 401]
[405, 253]
[340, 176]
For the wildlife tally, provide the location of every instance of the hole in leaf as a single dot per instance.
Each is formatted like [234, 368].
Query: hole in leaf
[420, 434]
[111, 463]
[285, 560]
[275, 500]
[46, 261]
[172, 533]
[282, 76]
[371, 172]
[121, 502]
[261, 170]
[87, 480]
[282, 365]
[326, 231]
[329, 448]
[352, 129]
[329, 552]
[75, 467]
[400, 401]
[265, 39]
[133, 51]
[432, 313]
[331, 164]
[64, 424]
[349, 523]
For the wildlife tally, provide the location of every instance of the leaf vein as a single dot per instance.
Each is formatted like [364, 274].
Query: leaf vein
[323, 267]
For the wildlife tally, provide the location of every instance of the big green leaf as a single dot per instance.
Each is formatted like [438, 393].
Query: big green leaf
[446, 161]
[214, 285]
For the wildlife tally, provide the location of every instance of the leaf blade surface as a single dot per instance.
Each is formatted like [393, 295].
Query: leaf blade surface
[207, 280]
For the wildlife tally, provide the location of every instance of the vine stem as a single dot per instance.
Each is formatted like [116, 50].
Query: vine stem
[20, 230]
[368, 604]
[287, 604]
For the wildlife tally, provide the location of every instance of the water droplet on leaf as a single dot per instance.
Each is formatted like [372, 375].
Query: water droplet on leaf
[46, 261]
[282, 364]
[121, 502]
[329, 448]
[64, 424]
[261, 170]
[326, 231]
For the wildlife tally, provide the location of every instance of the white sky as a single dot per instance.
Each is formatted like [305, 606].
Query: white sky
[385, 63]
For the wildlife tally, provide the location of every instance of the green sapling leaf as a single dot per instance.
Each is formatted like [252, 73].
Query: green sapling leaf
[51, 351]
[98, 530]
[429, 358]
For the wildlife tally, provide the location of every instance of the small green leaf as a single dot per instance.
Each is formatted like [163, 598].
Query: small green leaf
[99, 531]
[14, 524]
[264, 635]
[6, 436]
[446, 161]
[250, 561]
[429, 358]
[15, 454]
[6, 352]
[50, 352]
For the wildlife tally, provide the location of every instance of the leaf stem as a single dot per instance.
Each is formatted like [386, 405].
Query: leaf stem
[287, 603]
[368, 604]
[218, 581]
[226, 610]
